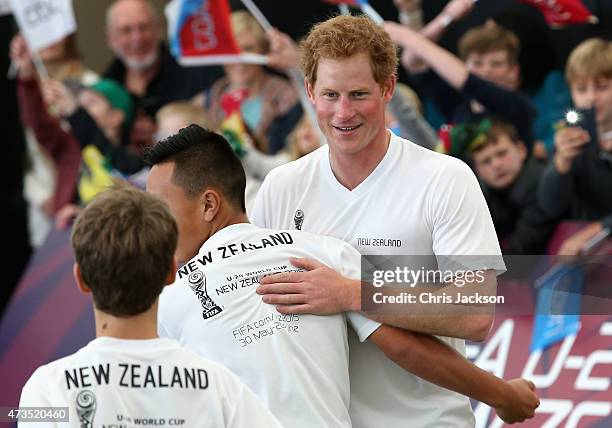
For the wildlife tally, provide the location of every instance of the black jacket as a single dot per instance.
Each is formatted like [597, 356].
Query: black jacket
[521, 225]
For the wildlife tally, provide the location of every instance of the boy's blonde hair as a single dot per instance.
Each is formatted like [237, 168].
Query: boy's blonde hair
[243, 22]
[590, 59]
[191, 113]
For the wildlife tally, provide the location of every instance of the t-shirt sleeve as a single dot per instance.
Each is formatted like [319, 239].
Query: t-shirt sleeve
[349, 265]
[242, 407]
[362, 325]
[34, 394]
[259, 215]
[462, 229]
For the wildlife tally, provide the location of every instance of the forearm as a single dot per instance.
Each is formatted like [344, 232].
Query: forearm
[434, 361]
[47, 129]
[413, 126]
[508, 104]
[83, 126]
[121, 158]
[436, 28]
[463, 310]
[34, 111]
[471, 327]
[444, 63]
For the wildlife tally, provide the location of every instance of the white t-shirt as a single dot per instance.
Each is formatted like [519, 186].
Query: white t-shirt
[415, 202]
[155, 382]
[298, 365]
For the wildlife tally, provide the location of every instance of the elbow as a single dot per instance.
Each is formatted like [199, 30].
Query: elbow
[478, 327]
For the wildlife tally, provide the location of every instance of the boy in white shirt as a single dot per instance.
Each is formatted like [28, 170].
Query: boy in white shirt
[124, 242]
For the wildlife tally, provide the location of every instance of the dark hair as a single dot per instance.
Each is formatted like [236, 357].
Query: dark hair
[124, 243]
[202, 158]
[497, 129]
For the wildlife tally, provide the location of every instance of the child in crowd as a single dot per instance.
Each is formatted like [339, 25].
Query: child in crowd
[509, 182]
[482, 83]
[578, 181]
[264, 98]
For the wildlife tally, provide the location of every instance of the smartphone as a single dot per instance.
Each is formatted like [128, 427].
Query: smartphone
[584, 118]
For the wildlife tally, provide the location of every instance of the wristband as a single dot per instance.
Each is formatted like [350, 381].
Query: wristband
[412, 19]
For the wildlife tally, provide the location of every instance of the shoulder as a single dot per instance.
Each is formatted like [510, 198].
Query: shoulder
[213, 369]
[326, 249]
[533, 169]
[430, 163]
[45, 375]
[292, 172]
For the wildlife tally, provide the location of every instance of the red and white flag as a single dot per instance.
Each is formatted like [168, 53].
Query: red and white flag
[559, 13]
[200, 34]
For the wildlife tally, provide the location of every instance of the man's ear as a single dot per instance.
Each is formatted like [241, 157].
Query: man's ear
[211, 204]
[309, 90]
[172, 274]
[389, 87]
[78, 276]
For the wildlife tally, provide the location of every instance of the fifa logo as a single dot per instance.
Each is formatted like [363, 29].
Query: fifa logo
[298, 219]
[86, 408]
[197, 282]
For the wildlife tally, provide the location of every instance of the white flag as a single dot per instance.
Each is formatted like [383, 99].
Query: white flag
[44, 22]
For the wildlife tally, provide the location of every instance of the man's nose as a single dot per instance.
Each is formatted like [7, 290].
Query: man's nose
[345, 108]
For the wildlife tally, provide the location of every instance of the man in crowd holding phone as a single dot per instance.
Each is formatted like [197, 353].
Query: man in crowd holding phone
[578, 181]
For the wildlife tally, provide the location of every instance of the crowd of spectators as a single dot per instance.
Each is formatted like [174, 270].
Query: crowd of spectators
[498, 104]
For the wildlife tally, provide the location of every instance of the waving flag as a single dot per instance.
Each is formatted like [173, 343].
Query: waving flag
[233, 127]
[559, 13]
[43, 22]
[558, 307]
[200, 33]
[259, 17]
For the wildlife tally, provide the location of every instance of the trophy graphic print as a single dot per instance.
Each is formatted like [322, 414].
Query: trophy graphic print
[197, 282]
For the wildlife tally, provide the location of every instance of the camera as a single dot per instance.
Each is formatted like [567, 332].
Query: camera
[585, 119]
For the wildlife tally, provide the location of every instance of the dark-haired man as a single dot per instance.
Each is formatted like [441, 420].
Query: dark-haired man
[297, 364]
[124, 243]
